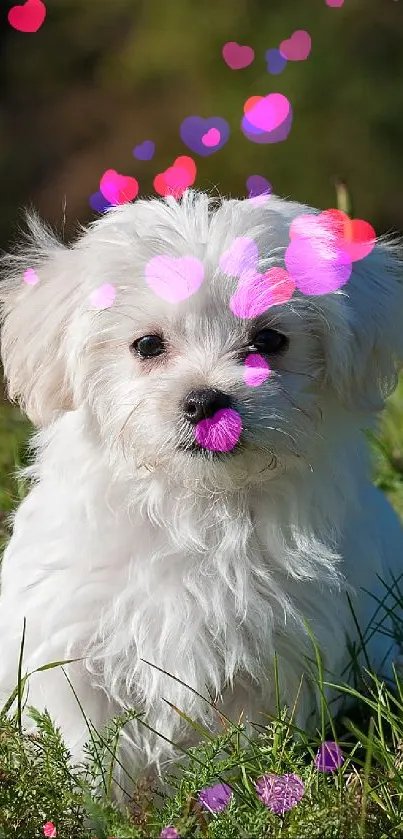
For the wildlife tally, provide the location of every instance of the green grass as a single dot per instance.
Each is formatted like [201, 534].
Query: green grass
[362, 798]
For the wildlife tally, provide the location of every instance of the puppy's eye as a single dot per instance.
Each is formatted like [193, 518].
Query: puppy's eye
[269, 341]
[149, 346]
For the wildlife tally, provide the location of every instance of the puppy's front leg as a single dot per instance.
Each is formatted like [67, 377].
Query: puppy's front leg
[48, 689]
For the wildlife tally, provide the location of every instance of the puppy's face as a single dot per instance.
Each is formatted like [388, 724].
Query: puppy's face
[168, 371]
[158, 373]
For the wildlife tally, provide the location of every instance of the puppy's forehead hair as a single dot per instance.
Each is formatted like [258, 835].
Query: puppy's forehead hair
[198, 225]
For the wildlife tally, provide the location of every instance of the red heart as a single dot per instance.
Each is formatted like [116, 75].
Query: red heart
[29, 17]
[177, 178]
[355, 237]
[187, 163]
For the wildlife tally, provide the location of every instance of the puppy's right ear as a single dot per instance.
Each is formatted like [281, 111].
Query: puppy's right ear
[38, 296]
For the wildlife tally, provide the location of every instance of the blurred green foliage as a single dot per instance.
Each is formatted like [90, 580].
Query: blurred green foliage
[99, 77]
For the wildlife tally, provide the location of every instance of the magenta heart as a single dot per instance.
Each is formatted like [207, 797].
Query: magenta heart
[118, 189]
[269, 112]
[236, 56]
[267, 119]
[221, 432]
[298, 47]
[317, 265]
[174, 279]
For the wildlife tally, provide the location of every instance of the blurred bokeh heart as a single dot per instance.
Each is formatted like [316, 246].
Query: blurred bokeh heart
[267, 119]
[118, 189]
[145, 151]
[176, 178]
[298, 47]
[204, 136]
[236, 56]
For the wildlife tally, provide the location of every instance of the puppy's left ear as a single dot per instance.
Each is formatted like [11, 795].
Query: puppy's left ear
[38, 296]
[365, 348]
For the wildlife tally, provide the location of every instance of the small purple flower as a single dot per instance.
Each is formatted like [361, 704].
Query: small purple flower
[215, 798]
[169, 832]
[329, 757]
[280, 792]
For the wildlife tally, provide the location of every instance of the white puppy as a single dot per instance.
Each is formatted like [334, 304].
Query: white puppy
[138, 543]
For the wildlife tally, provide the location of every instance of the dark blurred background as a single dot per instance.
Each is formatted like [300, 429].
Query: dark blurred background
[101, 76]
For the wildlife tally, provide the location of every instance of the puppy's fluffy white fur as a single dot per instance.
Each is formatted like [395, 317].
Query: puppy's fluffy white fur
[129, 552]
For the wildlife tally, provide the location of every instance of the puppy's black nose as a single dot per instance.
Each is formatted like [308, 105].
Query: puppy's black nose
[200, 404]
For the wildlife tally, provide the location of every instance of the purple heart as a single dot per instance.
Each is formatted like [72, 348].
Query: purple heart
[216, 798]
[145, 151]
[275, 61]
[258, 185]
[99, 203]
[194, 129]
[329, 757]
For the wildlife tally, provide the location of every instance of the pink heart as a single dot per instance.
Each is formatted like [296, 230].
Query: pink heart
[298, 47]
[103, 297]
[334, 4]
[31, 277]
[174, 279]
[211, 138]
[256, 370]
[29, 17]
[241, 256]
[236, 56]
[258, 292]
[221, 432]
[118, 189]
[269, 112]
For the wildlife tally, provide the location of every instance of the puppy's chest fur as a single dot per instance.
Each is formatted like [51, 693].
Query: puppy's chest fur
[199, 592]
[205, 589]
